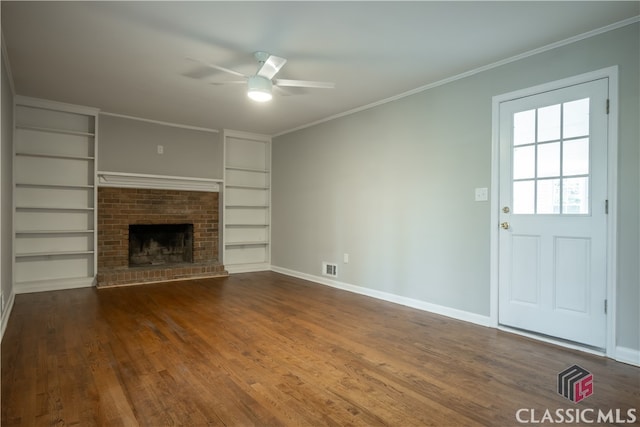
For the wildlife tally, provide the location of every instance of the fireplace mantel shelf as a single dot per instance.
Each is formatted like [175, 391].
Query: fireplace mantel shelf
[158, 182]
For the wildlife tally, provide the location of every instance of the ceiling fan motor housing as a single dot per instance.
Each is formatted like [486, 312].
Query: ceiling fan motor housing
[259, 88]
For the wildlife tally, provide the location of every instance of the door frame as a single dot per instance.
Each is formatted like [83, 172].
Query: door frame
[612, 195]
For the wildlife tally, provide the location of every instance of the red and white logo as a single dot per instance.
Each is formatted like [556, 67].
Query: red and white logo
[575, 383]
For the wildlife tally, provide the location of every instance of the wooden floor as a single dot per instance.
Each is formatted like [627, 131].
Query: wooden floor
[267, 349]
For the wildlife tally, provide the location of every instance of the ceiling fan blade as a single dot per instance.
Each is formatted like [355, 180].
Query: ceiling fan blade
[218, 67]
[304, 83]
[230, 82]
[271, 66]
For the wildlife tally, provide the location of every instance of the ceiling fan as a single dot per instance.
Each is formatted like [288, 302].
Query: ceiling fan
[260, 84]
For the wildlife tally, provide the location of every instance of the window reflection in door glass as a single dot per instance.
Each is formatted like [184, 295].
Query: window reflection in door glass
[549, 123]
[548, 200]
[524, 127]
[575, 159]
[575, 118]
[549, 159]
[524, 197]
[575, 199]
[524, 162]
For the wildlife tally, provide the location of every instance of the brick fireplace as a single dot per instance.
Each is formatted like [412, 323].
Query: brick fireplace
[120, 208]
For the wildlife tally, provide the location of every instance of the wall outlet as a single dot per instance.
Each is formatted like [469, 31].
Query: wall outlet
[345, 258]
[329, 269]
[160, 149]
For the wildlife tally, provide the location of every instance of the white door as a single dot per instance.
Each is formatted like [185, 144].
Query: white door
[553, 185]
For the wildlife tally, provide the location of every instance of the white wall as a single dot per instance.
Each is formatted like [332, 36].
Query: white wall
[393, 186]
[6, 188]
[127, 145]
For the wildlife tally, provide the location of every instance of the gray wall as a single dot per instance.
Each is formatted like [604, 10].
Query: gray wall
[6, 188]
[393, 186]
[127, 145]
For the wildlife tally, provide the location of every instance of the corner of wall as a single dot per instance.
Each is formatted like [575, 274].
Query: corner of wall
[628, 355]
[6, 313]
[6, 212]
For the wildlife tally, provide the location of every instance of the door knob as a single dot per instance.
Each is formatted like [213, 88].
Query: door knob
[505, 225]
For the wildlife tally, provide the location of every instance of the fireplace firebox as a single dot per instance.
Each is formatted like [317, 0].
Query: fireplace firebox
[160, 244]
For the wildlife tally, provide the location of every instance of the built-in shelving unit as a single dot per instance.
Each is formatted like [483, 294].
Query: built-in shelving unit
[54, 195]
[246, 202]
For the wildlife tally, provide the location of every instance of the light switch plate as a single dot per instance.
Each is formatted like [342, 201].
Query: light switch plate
[482, 194]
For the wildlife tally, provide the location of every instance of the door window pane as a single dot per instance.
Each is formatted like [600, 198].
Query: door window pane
[524, 127]
[548, 200]
[523, 197]
[575, 195]
[575, 158]
[549, 159]
[549, 123]
[524, 162]
[575, 118]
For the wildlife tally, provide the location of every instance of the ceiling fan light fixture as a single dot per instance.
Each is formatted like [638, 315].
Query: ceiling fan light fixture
[259, 88]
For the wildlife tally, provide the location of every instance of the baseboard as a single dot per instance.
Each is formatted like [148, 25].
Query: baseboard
[53, 285]
[385, 296]
[6, 313]
[628, 355]
[247, 268]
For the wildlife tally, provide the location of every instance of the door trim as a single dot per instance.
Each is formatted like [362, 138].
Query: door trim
[612, 191]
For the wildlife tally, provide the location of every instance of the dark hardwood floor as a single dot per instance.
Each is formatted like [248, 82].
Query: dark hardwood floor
[267, 349]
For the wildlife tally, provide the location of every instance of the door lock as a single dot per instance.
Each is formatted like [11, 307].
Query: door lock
[506, 209]
[505, 225]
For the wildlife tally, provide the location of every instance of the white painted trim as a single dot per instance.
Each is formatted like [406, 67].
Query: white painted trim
[256, 137]
[55, 105]
[247, 268]
[152, 282]
[550, 340]
[472, 72]
[628, 355]
[246, 135]
[53, 285]
[158, 182]
[94, 193]
[5, 56]
[612, 217]
[7, 313]
[160, 122]
[610, 73]
[466, 316]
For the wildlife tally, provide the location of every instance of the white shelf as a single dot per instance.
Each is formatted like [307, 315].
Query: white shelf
[53, 208]
[247, 214]
[55, 156]
[248, 187]
[38, 232]
[55, 198]
[51, 254]
[256, 243]
[38, 185]
[55, 130]
[241, 169]
[247, 206]
[26, 286]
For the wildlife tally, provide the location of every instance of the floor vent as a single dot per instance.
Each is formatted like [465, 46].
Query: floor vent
[329, 269]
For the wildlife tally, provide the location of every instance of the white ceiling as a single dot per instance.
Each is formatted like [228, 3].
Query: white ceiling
[130, 57]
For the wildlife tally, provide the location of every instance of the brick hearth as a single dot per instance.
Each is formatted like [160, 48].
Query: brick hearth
[119, 207]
